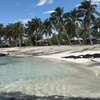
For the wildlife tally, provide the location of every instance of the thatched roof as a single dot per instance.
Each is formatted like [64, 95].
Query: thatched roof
[91, 37]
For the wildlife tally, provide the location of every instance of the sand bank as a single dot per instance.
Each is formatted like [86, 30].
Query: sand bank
[57, 52]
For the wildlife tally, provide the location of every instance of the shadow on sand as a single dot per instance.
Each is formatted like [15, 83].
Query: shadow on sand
[20, 96]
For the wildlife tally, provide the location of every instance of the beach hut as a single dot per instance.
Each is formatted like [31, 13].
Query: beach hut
[75, 40]
[92, 38]
[43, 42]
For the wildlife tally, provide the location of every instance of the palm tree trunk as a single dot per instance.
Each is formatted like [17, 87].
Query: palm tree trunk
[56, 37]
[79, 39]
[67, 36]
[10, 41]
[91, 42]
[68, 39]
[36, 40]
[20, 42]
[78, 36]
[16, 42]
[30, 41]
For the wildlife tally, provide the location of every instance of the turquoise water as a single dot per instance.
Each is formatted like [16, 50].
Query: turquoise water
[42, 77]
[12, 69]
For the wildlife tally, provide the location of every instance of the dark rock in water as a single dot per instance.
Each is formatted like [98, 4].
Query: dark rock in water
[3, 54]
[87, 56]
[97, 55]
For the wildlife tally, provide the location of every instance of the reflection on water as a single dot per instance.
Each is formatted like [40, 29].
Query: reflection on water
[40, 77]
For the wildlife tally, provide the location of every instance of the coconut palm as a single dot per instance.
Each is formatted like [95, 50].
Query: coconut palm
[38, 26]
[29, 31]
[47, 28]
[59, 14]
[56, 21]
[73, 21]
[54, 29]
[13, 33]
[88, 9]
[34, 30]
[8, 34]
[19, 31]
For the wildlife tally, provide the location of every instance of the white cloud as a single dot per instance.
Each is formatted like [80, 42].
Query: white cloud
[48, 12]
[96, 1]
[43, 2]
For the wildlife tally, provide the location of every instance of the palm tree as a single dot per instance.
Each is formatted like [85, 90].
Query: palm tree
[38, 27]
[88, 9]
[19, 31]
[13, 33]
[57, 23]
[47, 28]
[29, 31]
[73, 21]
[8, 34]
[34, 30]
[54, 23]
[61, 24]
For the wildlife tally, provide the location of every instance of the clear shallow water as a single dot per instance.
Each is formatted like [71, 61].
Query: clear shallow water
[42, 77]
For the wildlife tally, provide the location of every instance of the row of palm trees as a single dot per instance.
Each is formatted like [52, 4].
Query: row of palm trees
[82, 21]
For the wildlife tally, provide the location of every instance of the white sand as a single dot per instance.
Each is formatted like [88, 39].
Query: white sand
[55, 53]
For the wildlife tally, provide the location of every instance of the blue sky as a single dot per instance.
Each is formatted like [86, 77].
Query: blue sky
[23, 10]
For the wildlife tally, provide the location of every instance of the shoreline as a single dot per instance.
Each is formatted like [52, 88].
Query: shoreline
[55, 53]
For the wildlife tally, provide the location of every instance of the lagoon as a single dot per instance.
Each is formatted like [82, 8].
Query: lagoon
[35, 76]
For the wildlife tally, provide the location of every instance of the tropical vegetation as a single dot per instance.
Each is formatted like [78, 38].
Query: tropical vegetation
[81, 22]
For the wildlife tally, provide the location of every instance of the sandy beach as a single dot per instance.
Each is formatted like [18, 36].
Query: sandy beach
[55, 53]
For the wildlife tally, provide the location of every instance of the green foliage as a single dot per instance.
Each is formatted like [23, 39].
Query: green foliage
[53, 40]
[26, 42]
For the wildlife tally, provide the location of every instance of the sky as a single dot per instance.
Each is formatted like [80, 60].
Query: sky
[23, 10]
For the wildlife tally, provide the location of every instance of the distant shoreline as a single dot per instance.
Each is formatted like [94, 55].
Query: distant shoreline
[56, 52]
